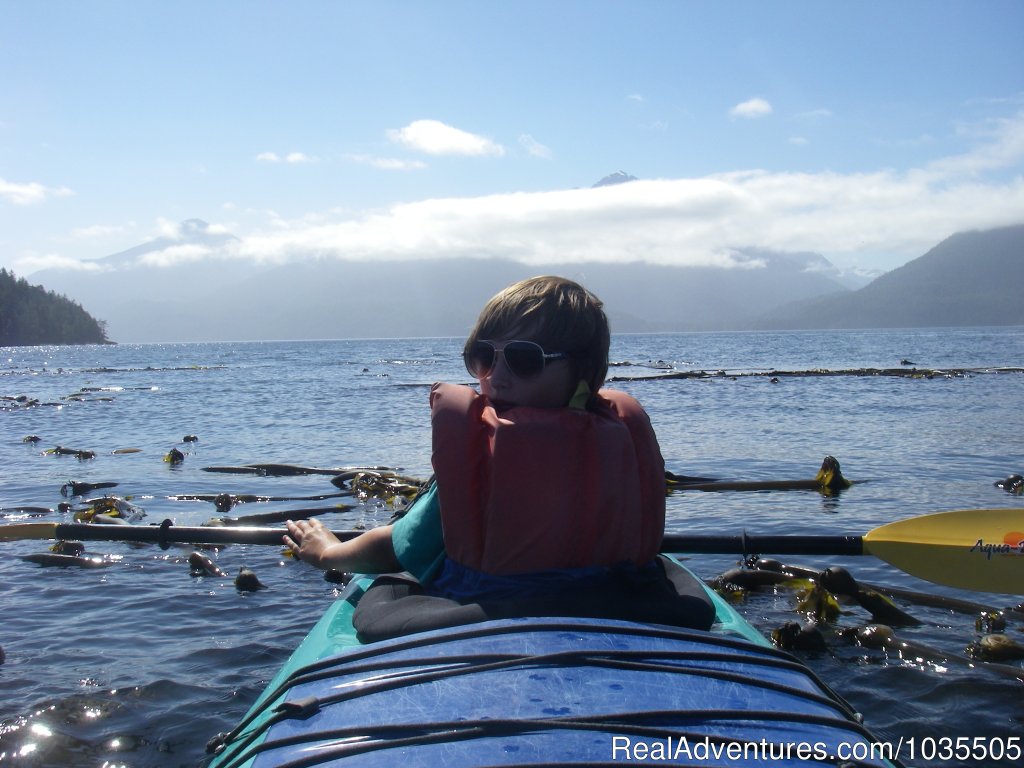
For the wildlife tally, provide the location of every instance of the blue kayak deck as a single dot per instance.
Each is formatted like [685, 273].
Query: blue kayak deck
[548, 691]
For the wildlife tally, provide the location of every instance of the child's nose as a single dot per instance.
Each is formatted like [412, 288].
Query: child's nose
[500, 373]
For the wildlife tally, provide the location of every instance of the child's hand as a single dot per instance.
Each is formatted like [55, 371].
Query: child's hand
[309, 540]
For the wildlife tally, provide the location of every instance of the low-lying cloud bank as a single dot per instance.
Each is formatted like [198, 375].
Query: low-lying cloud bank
[696, 222]
[853, 218]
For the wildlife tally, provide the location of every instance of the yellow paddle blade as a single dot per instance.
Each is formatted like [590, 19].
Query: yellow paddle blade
[978, 549]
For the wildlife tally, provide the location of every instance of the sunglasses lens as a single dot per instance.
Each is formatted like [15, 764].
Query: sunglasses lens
[524, 358]
[480, 358]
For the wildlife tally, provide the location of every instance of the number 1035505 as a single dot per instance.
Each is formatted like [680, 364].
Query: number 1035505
[973, 748]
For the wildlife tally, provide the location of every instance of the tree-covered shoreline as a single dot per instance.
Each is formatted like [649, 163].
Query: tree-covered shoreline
[31, 315]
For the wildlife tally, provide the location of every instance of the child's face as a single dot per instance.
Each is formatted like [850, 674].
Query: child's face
[551, 388]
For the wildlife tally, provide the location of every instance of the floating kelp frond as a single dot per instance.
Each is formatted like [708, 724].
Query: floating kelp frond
[818, 605]
[22, 512]
[76, 452]
[152, 369]
[906, 373]
[1013, 484]
[742, 578]
[850, 587]
[111, 507]
[276, 517]
[248, 581]
[174, 456]
[990, 622]
[882, 609]
[68, 548]
[830, 477]
[51, 560]
[882, 637]
[202, 565]
[289, 470]
[829, 481]
[793, 636]
[385, 486]
[75, 488]
[996, 647]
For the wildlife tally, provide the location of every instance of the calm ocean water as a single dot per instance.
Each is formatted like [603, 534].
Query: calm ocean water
[139, 663]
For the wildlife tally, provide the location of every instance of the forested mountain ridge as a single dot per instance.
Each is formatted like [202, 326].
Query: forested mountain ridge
[30, 315]
[970, 278]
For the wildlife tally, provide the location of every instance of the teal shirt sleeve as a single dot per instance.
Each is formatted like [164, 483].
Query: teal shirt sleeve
[418, 539]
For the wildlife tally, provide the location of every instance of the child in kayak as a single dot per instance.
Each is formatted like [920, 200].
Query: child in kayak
[545, 484]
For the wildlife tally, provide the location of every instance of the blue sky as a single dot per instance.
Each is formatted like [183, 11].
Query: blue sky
[864, 131]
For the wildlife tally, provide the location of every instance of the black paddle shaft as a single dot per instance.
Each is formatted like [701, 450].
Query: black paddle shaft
[745, 544]
[167, 533]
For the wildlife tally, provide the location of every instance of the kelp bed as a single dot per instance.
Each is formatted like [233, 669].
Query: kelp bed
[907, 373]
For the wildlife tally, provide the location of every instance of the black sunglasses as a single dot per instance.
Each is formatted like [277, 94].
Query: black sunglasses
[525, 359]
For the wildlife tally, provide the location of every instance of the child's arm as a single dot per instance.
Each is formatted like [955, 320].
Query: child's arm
[371, 552]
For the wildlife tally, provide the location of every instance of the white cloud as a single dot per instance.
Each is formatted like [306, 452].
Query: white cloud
[852, 218]
[751, 109]
[534, 147]
[387, 163]
[636, 97]
[28, 263]
[179, 230]
[433, 137]
[217, 229]
[29, 193]
[168, 228]
[176, 254]
[1001, 145]
[294, 158]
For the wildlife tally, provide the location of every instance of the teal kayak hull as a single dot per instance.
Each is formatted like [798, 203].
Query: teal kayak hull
[545, 691]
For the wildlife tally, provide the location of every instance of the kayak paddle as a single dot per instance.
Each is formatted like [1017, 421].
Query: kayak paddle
[976, 549]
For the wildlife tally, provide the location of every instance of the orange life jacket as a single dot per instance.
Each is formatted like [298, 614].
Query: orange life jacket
[533, 489]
